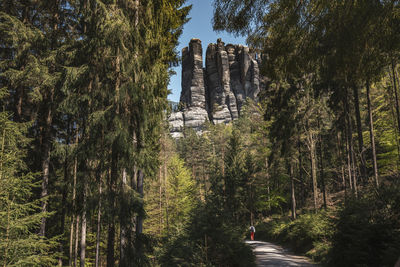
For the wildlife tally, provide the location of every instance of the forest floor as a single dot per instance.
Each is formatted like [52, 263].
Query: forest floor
[268, 254]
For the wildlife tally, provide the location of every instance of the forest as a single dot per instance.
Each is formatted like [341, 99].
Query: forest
[90, 176]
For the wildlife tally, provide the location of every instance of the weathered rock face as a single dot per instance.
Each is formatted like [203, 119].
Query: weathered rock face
[222, 107]
[176, 124]
[193, 95]
[218, 91]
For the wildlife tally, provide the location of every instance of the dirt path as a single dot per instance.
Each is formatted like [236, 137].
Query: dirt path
[268, 254]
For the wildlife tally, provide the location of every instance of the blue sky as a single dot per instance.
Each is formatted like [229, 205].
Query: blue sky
[199, 27]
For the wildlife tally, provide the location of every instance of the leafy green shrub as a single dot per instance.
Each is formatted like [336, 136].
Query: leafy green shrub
[310, 234]
[209, 240]
[368, 230]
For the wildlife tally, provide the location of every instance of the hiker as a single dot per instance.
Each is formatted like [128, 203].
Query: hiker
[252, 231]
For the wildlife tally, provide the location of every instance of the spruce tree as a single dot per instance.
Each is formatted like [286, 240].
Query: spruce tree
[20, 214]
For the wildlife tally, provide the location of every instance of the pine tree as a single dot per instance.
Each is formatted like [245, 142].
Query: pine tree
[20, 213]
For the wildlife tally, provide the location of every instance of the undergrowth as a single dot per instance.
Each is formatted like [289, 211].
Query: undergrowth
[310, 234]
[209, 240]
[360, 232]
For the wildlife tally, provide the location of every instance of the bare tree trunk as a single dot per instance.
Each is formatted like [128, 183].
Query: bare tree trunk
[65, 192]
[292, 189]
[268, 182]
[98, 227]
[111, 243]
[7, 233]
[313, 154]
[349, 172]
[391, 98]
[83, 226]
[359, 134]
[123, 223]
[76, 241]
[139, 218]
[71, 237]
[313, 168]
[342, 163]
[45, 131]
[396, 118]
[396, 95]
[353, 167]
[139, 224]
[301, 176]
[114, 169]
[321, 165]
[45, 181]
[353, 174]
[112, 201]
[166, 201]
[371, 133]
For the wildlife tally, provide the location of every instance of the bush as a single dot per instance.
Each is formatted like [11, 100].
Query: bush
[310, 234]
[363, 232]
[368, 230]
[209, 240]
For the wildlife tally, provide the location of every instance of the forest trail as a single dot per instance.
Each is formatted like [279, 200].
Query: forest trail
[268, 254]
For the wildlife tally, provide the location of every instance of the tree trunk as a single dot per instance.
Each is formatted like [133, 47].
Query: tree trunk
[313, 169]
[392, 104]
[160, 222]
[139, 222]
[98, 227]
[396, 95]
[45, 131]
[124, 229]
[71, 237]
[301, 176]
[353, 174]
[76, 241]
[292, 189]
[371, 134]
[7, 233]
[268, 182]
[359, 134]
[342, 163]
[397, 118]
[45, 181]
[112, 201]
[83, 226]
[110, 244]
[166, 201]
[64, 193]
[321, 165]
[349, 173]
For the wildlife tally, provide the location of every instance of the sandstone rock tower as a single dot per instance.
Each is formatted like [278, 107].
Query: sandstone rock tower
[217, 92]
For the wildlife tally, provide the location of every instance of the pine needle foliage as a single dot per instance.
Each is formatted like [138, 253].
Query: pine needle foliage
[20, 214]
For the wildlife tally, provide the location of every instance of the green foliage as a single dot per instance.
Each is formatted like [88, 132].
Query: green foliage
[210, 240]
[363, 232]
[367, 230]
[385, 127]
[92, 77]
[20, 214]
[181, 195]
[319, 57]
[310, 233]
[229, 182]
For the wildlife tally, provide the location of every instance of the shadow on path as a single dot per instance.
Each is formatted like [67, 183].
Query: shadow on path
[268, 254]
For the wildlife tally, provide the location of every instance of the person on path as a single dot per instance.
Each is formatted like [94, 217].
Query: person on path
[252, 232]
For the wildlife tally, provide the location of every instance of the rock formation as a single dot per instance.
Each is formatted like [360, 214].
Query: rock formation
[217, 92]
